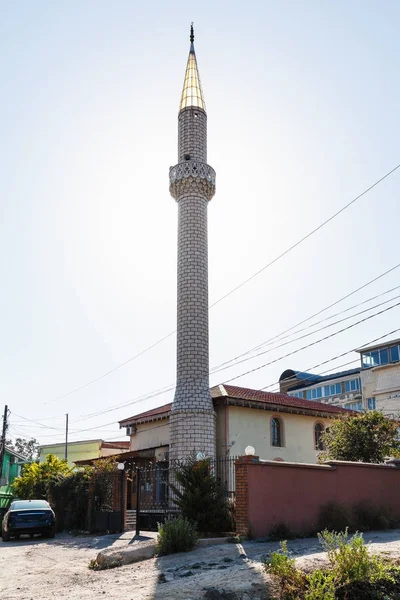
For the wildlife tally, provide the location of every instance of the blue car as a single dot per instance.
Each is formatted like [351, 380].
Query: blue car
[28, 516]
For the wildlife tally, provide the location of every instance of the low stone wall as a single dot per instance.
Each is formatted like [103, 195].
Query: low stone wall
[269, 493]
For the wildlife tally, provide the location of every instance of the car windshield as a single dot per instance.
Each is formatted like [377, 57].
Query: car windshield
[23, 504]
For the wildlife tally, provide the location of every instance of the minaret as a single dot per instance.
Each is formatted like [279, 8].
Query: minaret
[192, 184]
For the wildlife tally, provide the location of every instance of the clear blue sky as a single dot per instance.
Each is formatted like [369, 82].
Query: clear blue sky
[303, 111]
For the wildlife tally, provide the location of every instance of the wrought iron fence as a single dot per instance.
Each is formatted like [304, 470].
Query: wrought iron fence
[154, 489]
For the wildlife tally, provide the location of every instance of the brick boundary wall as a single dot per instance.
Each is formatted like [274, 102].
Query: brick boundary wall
[269, 493]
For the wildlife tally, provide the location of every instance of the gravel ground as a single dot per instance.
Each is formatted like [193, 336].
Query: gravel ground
[41, 569]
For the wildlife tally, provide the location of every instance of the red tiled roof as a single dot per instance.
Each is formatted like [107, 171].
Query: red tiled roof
[245, 394]
[239, 393]
[155, 412]
[119, 445]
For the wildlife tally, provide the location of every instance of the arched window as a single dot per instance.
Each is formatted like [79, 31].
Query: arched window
[318, 441]
[276, 432]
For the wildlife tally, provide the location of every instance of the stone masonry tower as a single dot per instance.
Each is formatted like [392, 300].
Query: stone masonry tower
[192, 184]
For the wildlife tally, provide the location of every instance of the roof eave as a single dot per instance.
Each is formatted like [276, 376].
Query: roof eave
[132, 421]
[280, 407]
[20, 456]
[377, 346]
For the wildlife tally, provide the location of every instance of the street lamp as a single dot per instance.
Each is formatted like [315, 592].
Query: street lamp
[249, 451]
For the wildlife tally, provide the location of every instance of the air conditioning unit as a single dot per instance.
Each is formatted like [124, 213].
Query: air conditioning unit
[131, 430]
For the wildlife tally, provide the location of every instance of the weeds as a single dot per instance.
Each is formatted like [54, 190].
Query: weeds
[353, 574]
[94, 565]
[292, 581]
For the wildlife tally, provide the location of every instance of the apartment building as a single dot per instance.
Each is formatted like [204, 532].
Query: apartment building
[375, 384]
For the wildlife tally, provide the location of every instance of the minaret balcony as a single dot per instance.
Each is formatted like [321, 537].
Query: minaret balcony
[193, 177]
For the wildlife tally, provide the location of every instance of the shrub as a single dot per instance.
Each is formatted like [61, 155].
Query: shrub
[353, 573]
[201, 496]
[368, 516]
[281, 531]
[387, 588]
[102, 476]
[36, 478]
[350, 559]
[292, 581]
[362, 517]
[72, 494]
[320, 584]
[176, 535]
[334, 517]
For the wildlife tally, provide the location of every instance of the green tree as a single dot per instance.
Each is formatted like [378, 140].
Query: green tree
[37, 478]
[102, 477]
[368, 437]
[201, 496]
[27, 448]
[70, 495]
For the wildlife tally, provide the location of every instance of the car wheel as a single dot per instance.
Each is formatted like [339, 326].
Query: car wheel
[50, 533]
[6, 536]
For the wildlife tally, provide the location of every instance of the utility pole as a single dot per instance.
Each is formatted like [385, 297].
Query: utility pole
[66, 437]
[3, 439]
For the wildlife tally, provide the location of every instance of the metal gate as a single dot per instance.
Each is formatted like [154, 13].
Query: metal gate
[152, 490]
[153, 496]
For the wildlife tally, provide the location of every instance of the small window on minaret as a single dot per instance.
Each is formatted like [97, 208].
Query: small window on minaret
[187, 156]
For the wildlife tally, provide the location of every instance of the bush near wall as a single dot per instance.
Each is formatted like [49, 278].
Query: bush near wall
[176, 535]
[333, 516]
[363, 516]
[201, 496]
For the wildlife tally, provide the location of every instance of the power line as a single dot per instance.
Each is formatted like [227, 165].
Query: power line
[309, 368]
[62, 430]
[164, 390]
[303, 239]
[294, 352]
[117, 367]
[301, 337]
[312, 343]
[170, 387]
[137, 400]
[342, 312]
[314, 367]
[37, 422]
[235, 289]
[279, 335]
[345, 353]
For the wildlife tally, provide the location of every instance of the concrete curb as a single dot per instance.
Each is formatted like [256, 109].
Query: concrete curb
[116, 557]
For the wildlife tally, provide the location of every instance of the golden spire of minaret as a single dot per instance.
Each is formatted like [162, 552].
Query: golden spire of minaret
[192, 94]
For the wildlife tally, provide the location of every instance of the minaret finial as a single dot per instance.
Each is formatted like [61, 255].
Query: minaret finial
[191, 33]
